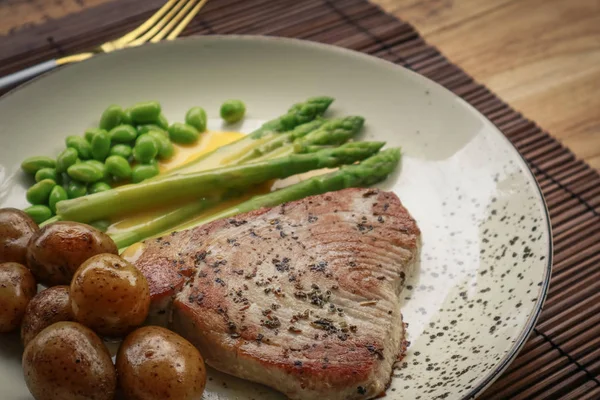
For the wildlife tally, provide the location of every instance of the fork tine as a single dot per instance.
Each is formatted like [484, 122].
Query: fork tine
[159, 24]
[175, 32]
[183, 17]
[128, 37]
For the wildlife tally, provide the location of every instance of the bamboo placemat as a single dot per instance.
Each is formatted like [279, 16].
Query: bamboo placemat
[562, 357]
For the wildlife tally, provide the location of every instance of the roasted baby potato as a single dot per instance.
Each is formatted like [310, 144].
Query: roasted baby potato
[154, 363]
[17, 288]
[46, 308]
[58, 249]
[109, 295]
[67, 361]
[16, 228]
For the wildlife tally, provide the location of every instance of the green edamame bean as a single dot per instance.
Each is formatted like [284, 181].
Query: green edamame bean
[143, 171]
[165, 147]
[183, 133]
[31, 165]
[100, 145]
[233, 111]
[96, 163]
[81, 145]
[46, 173]
[196, 117]
[39, 213]
[112, 117]
[57, 194]
[127, 120]
[123, 134]
[76, 189]
[146, 112]
[145, 149]
[118, 167]
[84, 172]
[64, 179]
[141, 129]
[66, 158]
[99, 187]
[40, 192]
[102, 225]
[122, 150]
[162, 122]
[100, 167]
[90, 132]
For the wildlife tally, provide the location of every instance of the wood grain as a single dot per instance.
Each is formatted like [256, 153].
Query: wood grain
[541, 56]
[19, 14]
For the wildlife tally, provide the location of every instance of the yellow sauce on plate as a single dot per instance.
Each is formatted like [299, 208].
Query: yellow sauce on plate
[208, 142]
[133, 252]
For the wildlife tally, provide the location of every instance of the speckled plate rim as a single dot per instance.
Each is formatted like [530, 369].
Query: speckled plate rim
[505, 362]
[528, 328]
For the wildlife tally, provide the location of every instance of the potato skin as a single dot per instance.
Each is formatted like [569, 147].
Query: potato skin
[109, 295]
[16, 228]
[154, 363]
[46, 308]
[17, 288]
[58, 249]
[67, 361]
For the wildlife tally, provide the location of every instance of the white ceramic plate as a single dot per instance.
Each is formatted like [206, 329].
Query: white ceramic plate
[485, 263]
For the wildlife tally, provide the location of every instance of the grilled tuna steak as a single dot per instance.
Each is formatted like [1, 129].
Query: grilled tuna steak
[302, 297]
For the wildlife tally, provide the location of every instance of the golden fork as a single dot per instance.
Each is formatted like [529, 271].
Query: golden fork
[165, 24]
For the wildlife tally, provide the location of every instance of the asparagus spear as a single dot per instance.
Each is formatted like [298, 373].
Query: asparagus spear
[370, 171]
[180, 214]
[163, 222]
[298, 114]
[329, 133]
[153, 193]
[333, 132]
[276, 142]
[336, 131]
[298, 148]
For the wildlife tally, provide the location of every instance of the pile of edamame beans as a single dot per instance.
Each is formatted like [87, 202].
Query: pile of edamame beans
[125, 147]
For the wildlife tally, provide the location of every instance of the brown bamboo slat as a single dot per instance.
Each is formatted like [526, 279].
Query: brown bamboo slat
[589, 391]
[562, 357]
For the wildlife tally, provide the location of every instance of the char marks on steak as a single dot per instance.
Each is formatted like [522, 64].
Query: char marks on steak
[302, 297]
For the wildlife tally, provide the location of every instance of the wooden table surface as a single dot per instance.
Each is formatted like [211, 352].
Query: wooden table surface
[540, 56]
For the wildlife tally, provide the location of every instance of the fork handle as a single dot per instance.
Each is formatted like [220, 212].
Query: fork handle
[27, 73]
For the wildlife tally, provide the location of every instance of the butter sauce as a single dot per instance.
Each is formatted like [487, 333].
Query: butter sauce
[184, 154]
